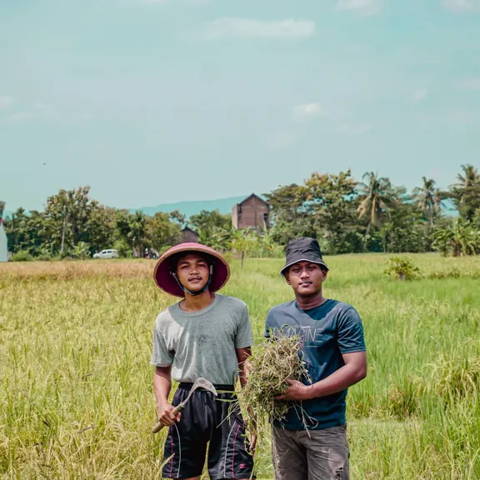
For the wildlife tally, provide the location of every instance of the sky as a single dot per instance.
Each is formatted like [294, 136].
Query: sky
[157, 101]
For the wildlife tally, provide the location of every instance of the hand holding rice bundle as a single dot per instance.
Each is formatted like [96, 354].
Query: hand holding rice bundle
[271, 365]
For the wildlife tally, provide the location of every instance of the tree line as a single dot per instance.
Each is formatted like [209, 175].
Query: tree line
[374, 215]
[345, 215]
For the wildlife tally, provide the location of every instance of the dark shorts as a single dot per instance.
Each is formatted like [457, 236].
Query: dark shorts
[213, 422]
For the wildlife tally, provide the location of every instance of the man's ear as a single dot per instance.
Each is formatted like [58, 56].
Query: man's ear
[286, 277]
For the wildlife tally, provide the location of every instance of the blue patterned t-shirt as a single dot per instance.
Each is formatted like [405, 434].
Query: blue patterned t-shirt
[327, 331]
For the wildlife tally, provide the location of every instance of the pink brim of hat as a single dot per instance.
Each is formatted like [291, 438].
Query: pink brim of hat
[165, 265]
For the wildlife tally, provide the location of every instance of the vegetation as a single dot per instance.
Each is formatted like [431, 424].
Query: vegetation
[75, 381]
[457, 238]
[402, 268]
[346, 216]
[270, 366]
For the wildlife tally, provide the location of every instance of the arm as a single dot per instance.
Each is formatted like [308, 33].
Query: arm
[242, 356]
[161, 387]
[354, 370]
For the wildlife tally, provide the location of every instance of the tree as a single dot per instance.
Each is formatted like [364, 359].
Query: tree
[404, 230]
[99, 229]
[161, 231]
[376, 197]
[214, 229]
[71, 216]
[244, 242]
[206, 222]
[289, 215]
[429, 199]
[458, 238]
[132, 228]
[466, 192]
[67, 213]
[331, 200]
[26, 232]
[178, 217]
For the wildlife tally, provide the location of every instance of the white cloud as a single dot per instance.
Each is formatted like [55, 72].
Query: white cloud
[22, 116]
[307, 111]
[462, 5]
[420, 94]
[37, 111]
[5, 102]
[471, 84]
[366, 7]
[248, 28]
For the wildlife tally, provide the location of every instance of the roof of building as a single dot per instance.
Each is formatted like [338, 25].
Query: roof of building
[254, 196]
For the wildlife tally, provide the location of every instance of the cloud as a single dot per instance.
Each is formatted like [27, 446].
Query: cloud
[5, 102]
[248, 28]
[420, 94]
[37, 111]
[462, 5]
[18, 117]
[307, 111]
[365, 7]
[471, 84]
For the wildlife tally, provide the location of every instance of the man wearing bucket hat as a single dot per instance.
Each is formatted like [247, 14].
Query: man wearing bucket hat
[204, 335]
[311, 441]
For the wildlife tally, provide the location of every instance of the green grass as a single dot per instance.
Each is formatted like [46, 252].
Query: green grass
[75, 381]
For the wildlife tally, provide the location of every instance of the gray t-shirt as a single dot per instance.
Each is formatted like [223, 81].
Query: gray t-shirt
[202, 343]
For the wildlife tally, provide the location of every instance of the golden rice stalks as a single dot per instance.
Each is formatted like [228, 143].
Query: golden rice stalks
[272, 363]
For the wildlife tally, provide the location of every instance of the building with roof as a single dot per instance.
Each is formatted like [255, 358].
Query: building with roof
[252, 212]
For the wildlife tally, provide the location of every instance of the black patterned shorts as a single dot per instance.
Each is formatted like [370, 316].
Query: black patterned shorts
[213, 422]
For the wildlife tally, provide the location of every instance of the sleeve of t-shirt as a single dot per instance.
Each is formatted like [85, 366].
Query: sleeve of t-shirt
[161, 357]
[350, 332]
[244, 337]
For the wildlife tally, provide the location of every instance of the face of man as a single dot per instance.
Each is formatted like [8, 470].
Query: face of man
[306, 278]
[193, 271]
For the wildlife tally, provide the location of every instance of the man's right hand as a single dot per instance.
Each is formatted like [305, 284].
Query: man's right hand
[167, 415]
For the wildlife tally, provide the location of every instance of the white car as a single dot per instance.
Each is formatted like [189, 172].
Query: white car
[110, 253]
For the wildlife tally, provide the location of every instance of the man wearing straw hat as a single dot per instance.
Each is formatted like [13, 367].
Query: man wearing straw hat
[310, 443]
[204, 335]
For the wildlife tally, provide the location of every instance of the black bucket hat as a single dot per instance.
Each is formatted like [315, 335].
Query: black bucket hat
[303, 249]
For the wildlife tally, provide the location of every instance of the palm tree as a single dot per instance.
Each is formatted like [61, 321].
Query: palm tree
[470, 177]
[429, 199]
[466, 191]
[459, 238]
[376, 196]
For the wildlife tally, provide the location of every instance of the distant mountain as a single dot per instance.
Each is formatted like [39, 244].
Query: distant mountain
[223, 205]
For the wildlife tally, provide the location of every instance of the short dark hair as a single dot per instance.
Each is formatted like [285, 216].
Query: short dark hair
[176, 258]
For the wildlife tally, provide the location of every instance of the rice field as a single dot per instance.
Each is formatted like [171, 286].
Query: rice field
[76, 399]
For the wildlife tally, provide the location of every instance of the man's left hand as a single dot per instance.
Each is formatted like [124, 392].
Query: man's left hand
[296, 391]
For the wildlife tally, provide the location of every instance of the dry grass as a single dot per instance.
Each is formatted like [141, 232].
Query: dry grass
[272, 363]
[67, 270]
[75, 380]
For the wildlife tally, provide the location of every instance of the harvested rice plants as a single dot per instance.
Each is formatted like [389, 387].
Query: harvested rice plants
[75, 380]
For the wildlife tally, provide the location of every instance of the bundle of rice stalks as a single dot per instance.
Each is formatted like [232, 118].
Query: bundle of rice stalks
[272, 363]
